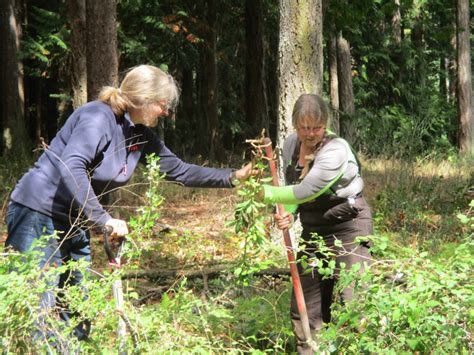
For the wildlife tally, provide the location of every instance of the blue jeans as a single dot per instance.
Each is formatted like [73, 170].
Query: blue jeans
[25, 226]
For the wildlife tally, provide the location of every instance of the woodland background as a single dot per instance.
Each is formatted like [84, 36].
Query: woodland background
[205, 274]
[397, 73]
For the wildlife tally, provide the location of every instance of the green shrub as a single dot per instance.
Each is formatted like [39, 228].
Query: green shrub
[408, 304]
[25, 326]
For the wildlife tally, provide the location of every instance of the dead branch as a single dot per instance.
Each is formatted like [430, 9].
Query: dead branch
[211, 272]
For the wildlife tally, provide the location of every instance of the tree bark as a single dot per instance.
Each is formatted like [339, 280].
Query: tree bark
[443, 78]
[102, 56]
[209, 69]
[202, 131]
[464, 88]
[333, 80]
[447, 59]
[346, 93]
[40, 132]
[14, 134]
[397, 52]
[76, 12]
[300, 57]
[185, 122]
[418, 42]
[256, 107]
[102, 59]
[397, 24]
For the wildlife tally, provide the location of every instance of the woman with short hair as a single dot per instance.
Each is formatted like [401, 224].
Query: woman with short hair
[324, 187]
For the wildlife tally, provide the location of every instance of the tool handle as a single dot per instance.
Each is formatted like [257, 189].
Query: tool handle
[114, 260]
[297, 288]
[106, 232]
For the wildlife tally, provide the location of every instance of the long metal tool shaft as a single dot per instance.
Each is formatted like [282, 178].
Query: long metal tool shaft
[117, 289]
[295, 277]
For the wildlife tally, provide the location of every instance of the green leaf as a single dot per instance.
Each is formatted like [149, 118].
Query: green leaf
[413, 343]
[463, 218]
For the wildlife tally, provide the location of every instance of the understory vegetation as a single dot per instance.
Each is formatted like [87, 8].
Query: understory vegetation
[206, 272]
[205, 269]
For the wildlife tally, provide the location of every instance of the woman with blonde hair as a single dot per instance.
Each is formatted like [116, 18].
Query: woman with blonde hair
[96, 151]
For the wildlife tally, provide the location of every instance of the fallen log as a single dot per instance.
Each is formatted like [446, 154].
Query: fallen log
[211, 272]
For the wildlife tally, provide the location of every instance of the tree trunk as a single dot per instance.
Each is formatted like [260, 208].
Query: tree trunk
[464, 88]
[300, 57]
[40, 132]
[443, 78]
[397, 24]
[333, 81]
[346, 93]
[256, 107]
[14, 135]
[209, 71]
[452, 79]
[202, 131]
[76, 13]
[102, 60]
[397, 52]
[185, 122]
[418, 43]
[447, 59]
[452, 66]
[229, 136]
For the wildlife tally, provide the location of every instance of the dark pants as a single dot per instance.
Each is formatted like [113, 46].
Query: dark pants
[24, 227]
[333, 218]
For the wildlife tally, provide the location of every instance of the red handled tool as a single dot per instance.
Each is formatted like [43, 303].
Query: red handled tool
[295, 277]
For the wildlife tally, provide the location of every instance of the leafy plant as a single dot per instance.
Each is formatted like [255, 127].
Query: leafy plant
[407, 304]
[250, 224]
[143, 222]
[23, 283]
[23, 286]
[467, 218]
[408, 301]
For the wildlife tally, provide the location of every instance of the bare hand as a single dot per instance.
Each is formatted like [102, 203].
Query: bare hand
[283, 221]
[119, 227]
[245, 172]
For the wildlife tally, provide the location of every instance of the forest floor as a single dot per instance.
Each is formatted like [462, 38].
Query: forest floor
[191, 236]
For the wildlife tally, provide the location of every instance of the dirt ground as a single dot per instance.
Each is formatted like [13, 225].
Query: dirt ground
[191, 230]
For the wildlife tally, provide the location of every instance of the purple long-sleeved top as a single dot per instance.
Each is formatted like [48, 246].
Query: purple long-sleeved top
[94, 153]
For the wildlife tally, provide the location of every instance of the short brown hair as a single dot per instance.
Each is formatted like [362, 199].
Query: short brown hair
[310, 105]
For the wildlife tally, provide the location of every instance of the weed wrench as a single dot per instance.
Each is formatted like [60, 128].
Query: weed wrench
[117, 290]
[295, 277]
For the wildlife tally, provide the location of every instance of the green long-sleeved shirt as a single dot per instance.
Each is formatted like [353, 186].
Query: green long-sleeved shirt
[334, 168]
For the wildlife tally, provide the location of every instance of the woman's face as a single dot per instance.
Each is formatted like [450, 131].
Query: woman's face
[310, 132]
[149, 114]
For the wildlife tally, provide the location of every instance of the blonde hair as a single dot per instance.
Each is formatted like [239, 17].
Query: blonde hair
[310, 105]
[141, 86]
